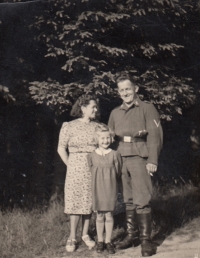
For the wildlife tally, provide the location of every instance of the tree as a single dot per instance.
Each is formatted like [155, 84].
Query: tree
[85, 44]
[4, 93]
[88, 42]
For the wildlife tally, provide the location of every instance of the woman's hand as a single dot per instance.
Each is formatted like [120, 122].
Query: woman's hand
[63, 154]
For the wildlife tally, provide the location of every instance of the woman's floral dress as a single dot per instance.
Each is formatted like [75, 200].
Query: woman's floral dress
[77, 137]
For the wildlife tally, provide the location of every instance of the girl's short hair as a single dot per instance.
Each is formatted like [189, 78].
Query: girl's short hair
[83, 100]
[103, 128]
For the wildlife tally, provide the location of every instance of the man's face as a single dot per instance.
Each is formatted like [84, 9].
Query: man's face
[127, 91]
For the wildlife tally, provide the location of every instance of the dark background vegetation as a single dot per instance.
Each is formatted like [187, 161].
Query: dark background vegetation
[45, 66]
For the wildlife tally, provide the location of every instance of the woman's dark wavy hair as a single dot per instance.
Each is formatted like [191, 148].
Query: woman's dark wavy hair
[83, 100]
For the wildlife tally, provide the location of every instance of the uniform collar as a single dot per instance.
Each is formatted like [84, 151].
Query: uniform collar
[135, 104]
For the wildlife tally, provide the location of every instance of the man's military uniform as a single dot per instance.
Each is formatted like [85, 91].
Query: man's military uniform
[139, 140]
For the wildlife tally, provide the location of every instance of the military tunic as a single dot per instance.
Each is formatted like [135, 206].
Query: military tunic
[141, 124]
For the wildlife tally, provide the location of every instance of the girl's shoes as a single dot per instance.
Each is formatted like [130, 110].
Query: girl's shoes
[71, 245]
[100, 247]
[110, 248]
[88, 241]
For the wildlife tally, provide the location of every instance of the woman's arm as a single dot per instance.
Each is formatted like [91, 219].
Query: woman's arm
[63, 154]
[89, 160]
[63, 142]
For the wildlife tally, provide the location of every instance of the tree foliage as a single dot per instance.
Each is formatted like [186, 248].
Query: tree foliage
[91, 41]
[4, 93]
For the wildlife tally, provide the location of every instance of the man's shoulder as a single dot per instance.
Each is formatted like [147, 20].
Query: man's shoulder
[149, 108]
[144, 102]
[148, 105]
[116, 109]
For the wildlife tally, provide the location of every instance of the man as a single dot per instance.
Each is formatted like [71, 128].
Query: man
[139, 140]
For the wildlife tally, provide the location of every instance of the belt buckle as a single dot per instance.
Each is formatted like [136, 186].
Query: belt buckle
[127, 139]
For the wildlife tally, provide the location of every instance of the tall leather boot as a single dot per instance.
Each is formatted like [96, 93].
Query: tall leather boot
[132, 236]
[144, 224]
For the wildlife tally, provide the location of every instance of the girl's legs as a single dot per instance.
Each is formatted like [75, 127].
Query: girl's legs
[74, 220]
[109, 226]
[100, 225]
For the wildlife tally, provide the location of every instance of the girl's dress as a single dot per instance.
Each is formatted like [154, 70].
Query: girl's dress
[77, 136]
[105, 171]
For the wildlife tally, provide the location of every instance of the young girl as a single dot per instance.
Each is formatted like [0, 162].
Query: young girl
[105, 165]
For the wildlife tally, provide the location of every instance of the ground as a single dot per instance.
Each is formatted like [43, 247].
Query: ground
[182, 243]
[42, 233]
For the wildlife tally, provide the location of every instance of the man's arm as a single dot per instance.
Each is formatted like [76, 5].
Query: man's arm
[111, 122]
[154, 137]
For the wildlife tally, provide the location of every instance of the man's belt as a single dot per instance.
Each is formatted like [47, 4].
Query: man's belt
[128, 139]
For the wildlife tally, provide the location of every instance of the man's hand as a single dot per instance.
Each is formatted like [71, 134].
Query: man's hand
[151, 168]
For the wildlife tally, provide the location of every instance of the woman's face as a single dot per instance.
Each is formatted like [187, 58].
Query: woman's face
[90, 110]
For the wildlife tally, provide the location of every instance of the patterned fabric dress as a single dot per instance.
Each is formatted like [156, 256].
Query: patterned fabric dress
[77, 136]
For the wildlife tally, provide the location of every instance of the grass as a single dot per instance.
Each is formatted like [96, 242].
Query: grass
[43, 233]
[33, 234]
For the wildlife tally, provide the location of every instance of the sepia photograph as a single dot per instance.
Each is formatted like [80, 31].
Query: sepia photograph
[99, 128]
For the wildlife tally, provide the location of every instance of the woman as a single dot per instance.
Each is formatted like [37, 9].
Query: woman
[77, 137]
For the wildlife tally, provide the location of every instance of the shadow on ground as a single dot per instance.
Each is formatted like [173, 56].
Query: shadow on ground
[168, 213]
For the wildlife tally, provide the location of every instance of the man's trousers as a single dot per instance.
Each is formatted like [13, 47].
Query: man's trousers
[136, 184]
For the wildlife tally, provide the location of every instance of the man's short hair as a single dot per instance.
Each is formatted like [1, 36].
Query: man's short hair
[124, 76]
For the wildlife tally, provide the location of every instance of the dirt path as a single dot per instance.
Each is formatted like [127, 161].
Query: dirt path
[171, 248]
[177, 247]
[183, 243]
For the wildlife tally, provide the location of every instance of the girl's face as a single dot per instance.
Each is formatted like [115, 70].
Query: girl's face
[104, 139]
[90, 110]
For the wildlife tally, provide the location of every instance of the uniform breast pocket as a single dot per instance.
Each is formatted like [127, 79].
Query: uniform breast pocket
[138, 121]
